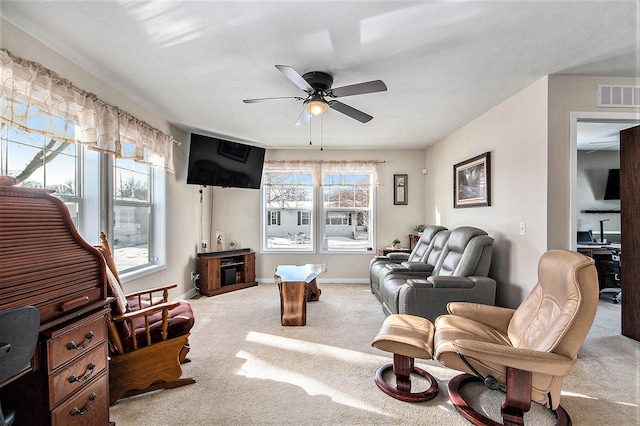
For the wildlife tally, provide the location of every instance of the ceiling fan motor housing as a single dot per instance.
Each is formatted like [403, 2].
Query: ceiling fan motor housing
[321, 81]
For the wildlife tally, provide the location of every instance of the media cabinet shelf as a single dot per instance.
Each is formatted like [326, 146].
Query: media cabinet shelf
[225, 271]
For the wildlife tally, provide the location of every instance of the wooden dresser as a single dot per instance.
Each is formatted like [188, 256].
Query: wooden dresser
[45, 263]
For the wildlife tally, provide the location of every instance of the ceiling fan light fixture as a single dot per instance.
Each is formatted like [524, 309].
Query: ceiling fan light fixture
[316, 106]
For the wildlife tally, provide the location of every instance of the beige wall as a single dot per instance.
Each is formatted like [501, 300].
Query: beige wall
[182, 199]
[569, 94]
[236, 212]
[515, 134]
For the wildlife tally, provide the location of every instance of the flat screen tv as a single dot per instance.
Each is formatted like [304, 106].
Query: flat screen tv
[218, 162]
[612, 192]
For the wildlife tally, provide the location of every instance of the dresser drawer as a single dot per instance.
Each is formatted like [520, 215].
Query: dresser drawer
[90, 406]
[76, 375]
[71, 342]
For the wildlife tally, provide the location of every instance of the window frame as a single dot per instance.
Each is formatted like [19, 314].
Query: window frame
[317, 215]
[94, 196]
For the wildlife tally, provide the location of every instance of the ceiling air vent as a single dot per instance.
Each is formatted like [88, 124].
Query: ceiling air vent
[618, 96]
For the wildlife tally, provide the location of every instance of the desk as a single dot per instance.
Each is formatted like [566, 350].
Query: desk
[297, 286]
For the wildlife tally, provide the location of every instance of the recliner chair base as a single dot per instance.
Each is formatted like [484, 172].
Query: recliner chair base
[402, 367]
[517, 402]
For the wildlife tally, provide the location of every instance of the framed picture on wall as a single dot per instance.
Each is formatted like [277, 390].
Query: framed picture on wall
[400, 189]
[472, 182]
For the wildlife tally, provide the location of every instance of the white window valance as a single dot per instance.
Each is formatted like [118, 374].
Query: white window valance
[36, 99]
[317, 168]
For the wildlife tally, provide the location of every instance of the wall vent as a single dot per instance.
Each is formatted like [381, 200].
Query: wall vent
[618, 96]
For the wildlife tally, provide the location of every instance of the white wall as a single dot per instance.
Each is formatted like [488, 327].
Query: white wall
[515, 133]
[182, 199]
[236, 212]
[569, 94]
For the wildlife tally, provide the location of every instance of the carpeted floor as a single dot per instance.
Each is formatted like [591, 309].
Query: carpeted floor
[252, 371]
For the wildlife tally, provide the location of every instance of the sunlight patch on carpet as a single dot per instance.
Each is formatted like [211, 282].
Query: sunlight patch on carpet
[315, 349]
[255, 368]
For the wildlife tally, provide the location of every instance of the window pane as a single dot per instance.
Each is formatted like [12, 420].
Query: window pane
[131, 236]
[347, 212]
[288, 204]
[131, 181]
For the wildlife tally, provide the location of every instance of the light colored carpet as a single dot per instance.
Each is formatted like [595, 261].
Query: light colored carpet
[252, 371]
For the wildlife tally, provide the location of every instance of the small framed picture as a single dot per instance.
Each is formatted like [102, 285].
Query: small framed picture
[472, 182]
[400, 189]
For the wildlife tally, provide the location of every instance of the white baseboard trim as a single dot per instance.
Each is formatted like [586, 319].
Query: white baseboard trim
[324, 281]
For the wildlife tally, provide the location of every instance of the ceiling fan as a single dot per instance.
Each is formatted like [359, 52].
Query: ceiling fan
[317, 85]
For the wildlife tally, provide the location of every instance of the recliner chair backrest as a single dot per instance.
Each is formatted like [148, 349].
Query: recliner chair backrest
[438, 246]
[467, 253]
[557, 315]
[423, 245]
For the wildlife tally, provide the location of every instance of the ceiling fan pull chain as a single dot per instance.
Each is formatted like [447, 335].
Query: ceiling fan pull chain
[321, 149]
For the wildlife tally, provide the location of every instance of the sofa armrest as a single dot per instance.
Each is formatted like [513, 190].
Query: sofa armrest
[493, 316]
[398, 256]
[417, 266]
[450, 282]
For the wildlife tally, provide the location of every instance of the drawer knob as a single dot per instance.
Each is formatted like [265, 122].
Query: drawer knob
[71, 345]
[83, 411]
[75, 378]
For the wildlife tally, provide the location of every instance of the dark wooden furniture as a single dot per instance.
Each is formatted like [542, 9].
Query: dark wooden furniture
[149, 338]
[224, 271]
[383, 251]
[629, 206]
[297, 286]
[46, 264]
[413, 240]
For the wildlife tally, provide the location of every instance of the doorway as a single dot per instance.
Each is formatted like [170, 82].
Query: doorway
[613, 123]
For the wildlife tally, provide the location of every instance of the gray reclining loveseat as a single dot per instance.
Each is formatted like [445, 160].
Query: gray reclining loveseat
[460, 274]
[420, 261]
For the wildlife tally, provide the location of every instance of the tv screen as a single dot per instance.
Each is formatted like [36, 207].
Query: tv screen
[613, 185]
[218, 162]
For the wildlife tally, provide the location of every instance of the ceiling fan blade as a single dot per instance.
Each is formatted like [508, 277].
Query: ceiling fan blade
[285, 98]
[358, 89]
[350, 111]
[296, 78]
[304, 118]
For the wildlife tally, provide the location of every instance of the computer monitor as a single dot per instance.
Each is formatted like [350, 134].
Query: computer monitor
[585, 237]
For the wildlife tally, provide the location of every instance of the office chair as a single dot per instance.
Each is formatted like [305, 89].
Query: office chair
[18, 337]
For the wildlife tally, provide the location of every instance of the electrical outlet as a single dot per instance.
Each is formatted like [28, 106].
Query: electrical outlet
[194, 276]
[324, 267]
[523, 228]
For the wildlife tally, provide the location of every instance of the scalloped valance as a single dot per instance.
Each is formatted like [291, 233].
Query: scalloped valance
[36, 99]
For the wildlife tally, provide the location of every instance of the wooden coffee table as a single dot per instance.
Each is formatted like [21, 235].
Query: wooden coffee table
[297, 286]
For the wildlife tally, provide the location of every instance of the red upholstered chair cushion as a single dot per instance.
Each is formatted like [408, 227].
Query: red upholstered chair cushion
[181, 320]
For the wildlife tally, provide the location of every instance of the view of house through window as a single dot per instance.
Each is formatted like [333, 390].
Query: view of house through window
[288, 202]
[343, 219]
[347, 206]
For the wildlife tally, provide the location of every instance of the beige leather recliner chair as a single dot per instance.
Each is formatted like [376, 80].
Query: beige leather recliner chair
[527, 351]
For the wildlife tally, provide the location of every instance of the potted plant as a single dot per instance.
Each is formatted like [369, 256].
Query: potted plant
[396, 244]
[420, 228]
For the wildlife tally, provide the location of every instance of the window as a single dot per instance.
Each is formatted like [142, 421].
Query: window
[347, 205]
[345, 218]
[287, 199]
[43, 155]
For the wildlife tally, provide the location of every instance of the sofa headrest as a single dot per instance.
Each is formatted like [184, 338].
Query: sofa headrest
[461, 236]
[430, 232]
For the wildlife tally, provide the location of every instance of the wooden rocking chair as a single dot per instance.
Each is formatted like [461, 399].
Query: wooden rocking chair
[148, 337]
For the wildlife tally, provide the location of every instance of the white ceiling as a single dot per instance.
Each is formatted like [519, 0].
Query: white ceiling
[444, 63]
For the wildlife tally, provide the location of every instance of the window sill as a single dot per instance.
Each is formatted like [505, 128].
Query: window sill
[141, 272]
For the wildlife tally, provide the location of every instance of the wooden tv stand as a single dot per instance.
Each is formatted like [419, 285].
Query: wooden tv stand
[225, 271]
